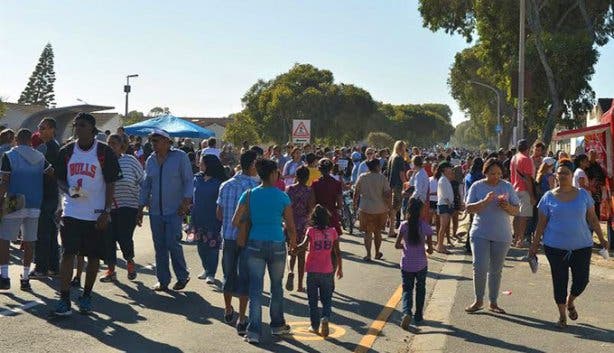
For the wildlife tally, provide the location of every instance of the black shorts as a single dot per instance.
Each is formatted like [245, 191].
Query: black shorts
[433, 205]
[82, 238]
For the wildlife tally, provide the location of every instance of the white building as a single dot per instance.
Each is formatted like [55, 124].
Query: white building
[28, 116]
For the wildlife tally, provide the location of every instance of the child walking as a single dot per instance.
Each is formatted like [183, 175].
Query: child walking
[413, 234]
[322, 240]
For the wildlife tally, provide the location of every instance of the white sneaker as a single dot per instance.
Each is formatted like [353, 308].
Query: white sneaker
[202, 276]
[251, 338]
[209, 280]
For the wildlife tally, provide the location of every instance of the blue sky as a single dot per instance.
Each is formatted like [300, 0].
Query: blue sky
[199, 57]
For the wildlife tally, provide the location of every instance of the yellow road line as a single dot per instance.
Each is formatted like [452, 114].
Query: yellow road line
[376, 327]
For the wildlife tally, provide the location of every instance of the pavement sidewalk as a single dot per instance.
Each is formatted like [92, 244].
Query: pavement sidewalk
[529, 325]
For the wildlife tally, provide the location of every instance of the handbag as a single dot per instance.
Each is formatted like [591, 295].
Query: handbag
[245, 223]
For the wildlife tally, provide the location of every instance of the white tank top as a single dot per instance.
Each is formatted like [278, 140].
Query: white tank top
[84, 175]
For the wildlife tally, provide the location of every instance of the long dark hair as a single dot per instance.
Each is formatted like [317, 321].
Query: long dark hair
[214, 167]
[413, 221]
[320, 217]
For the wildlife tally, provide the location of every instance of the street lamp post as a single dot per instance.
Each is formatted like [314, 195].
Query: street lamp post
[499, 127]
[127, 90]
[521, 61]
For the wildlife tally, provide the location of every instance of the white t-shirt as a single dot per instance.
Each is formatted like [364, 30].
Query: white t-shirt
[211, 150]
[84, 173]
[577, 174]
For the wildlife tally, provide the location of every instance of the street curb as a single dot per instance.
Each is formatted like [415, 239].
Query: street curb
[439, 309]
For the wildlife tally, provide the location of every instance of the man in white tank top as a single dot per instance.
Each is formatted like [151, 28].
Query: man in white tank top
[87, 170]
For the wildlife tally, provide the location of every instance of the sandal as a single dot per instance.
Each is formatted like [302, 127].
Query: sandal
[444, 251]
[367, 258]
[472, 309]
[497, 310]
[573, 314]
[379, 255]
[562, 323]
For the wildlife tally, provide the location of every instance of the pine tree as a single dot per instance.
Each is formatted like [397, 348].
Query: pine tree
[40, 86]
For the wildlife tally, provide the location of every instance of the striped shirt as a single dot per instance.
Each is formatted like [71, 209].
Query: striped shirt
[128, 188]
[228, 199]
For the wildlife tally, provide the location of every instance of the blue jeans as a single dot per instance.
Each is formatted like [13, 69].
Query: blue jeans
[166, 232]
[319, 286]
[234, 265]
[408, 291]
[261, 254]
[208, 257]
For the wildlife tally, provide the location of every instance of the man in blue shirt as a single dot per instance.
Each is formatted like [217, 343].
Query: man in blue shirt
[234, 261]
[167, 191]
[22, 175]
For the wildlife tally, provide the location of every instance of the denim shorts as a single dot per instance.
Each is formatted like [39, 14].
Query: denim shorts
[234, 266]
[444, 209]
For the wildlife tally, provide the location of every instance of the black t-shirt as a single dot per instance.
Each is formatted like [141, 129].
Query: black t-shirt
[51, 150]
[394, 171]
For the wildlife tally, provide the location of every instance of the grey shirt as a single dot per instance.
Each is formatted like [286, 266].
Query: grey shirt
[492, 222]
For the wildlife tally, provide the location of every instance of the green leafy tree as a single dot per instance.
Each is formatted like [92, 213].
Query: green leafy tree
[158, 111]
[242, 128]
[380, 140]
[2, 108]
[562, 41]
[340, 113]
[39, 89]
[133, 118]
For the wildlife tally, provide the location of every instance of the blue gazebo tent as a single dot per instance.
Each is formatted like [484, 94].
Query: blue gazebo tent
[176, 127]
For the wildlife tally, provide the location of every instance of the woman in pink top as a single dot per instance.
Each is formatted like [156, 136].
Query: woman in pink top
[413, 234]
[323, 240]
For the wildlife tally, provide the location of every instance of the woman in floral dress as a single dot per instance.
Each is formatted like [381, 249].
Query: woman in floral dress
[303, 201]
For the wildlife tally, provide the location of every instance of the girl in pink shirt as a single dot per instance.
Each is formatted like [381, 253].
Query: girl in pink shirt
[322, 240]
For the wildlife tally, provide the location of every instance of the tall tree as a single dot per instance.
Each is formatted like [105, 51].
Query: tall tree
[39, 89]
[340, 113]
[561, 50]
[242, 128]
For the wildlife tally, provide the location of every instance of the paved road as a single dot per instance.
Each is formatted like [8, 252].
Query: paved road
[129, 317]
[531, 314]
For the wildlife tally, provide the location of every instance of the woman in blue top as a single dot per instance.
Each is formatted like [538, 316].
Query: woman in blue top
[565, 214]
[204, 223]
[266, 247]
[493, 201]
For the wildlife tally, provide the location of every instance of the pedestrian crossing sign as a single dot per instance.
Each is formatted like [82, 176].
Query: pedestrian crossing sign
[301, 131]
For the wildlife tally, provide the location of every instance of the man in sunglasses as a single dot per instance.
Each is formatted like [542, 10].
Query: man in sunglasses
[87, 170]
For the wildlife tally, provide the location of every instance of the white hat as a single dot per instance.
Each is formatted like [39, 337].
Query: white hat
[160, 132]
[549, 161]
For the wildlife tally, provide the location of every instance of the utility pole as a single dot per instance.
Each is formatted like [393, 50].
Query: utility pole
[127, 90]
[499, 128]
[521, 54]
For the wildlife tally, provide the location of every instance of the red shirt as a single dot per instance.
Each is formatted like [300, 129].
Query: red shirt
[523, 164]
[327, 191]
[321, 244]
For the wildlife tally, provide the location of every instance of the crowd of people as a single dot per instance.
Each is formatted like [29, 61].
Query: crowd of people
[278, 210]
